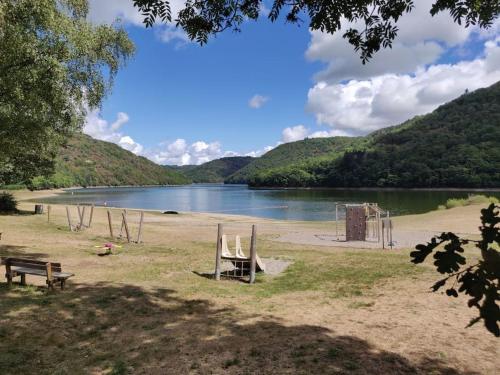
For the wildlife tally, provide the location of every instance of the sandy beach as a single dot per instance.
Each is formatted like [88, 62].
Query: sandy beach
[150, 308]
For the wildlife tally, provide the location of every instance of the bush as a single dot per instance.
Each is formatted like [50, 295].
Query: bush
[472, 199]
[452, 203]
[7, 202]
[481, 199]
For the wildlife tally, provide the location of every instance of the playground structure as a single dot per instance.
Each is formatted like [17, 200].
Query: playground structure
[80, 224]
[240, 263]
[124, 227]
[363, 222]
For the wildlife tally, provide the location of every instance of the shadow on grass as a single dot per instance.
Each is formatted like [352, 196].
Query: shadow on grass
[18, 252]
[18, 213]
[127, 329]
[225, 275]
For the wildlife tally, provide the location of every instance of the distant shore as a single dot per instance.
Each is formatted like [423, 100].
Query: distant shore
[375, 188]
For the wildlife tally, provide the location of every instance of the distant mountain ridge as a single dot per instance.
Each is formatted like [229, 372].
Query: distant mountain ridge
[86, 161]
[296, 152]
[213, 171]
[457, 145]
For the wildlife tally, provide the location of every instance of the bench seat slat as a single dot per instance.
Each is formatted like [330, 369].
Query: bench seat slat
[31, 271]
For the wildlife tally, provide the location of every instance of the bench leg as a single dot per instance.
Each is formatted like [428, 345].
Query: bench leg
[50, 285]
[23, 279]
[9, 279]
[62, 284]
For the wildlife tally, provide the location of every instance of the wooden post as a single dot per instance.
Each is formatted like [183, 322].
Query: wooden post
[48, 214]
[8, 273]
[110, 225]
[91, 215]
[218, 254]
[48, 267]
[383, 234]
[79, 212]
[69, 219]
[125, 225]
[390, 234]
[139, 234]
[337, 221]
[121, 228]
[82, 216]
[253, 254]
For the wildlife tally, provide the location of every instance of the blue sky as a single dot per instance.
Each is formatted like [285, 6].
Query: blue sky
[179, 90]
[178, 103]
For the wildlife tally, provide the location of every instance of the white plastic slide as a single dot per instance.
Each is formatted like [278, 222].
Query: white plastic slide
[225, 248]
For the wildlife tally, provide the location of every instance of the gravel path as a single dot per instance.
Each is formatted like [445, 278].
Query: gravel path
[401, 239]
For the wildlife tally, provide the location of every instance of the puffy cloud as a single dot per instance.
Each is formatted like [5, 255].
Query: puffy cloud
[180, 152]
[98, 128]
[257, 101]
[262, 151]
[421, 40]
[108, 11]
[300, 132]
[358, 107]
[295, 133]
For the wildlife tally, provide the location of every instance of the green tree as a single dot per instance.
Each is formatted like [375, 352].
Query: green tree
[371, 22]
[54, 65]
[481, 280]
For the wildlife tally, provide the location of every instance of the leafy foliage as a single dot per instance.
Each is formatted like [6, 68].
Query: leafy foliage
[7, 202]
[85, 161]
[295, 153]
[457, 145]
[54, 65]
[370, 24]
[480, 281]
[215, 170]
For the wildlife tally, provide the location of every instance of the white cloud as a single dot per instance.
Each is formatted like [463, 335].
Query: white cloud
[98, 128]
[360, 106]
[257, 101]
[421, 40]
[295, 133]
[300, 132]
[109, 11]
[180, 152]
[262, 151]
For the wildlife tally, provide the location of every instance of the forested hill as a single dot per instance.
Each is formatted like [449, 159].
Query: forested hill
[457, 145]
[89, 162]
[296, 152]
[213, 171]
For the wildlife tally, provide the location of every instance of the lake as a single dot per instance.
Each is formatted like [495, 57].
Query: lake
[287, 204]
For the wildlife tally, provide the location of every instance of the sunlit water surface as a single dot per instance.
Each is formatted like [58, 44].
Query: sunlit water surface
[292, 204]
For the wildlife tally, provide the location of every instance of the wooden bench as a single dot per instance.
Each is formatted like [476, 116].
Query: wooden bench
[21, 267]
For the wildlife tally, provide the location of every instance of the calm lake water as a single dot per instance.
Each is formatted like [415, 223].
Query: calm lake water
[296, 204]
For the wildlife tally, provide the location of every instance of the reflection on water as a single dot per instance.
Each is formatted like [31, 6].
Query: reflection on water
[295, 204]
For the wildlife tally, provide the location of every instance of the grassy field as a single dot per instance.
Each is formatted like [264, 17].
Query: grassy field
[152, 309]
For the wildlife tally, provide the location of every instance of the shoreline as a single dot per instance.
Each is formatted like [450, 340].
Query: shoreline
[495, 190]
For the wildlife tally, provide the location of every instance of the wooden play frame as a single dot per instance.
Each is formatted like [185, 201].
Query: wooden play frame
[125, 227]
